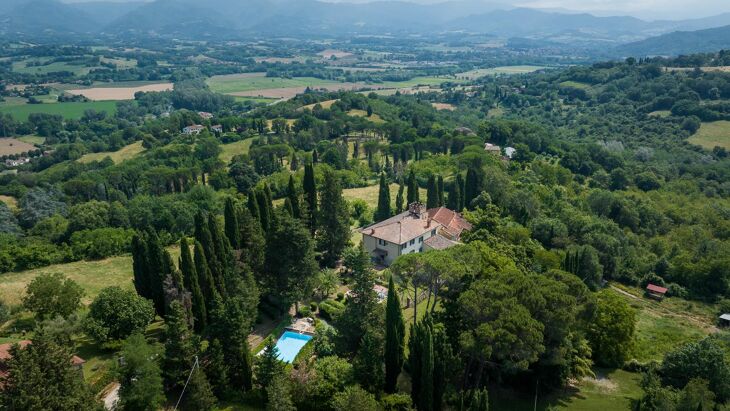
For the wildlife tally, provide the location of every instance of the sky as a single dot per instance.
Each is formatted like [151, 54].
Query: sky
[646, 9]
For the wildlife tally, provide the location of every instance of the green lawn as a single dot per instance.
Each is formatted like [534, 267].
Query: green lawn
[370, 194]
[234, 149]
[233, 84]
[31, 139]
[67, 110]
[92, 276]
[612, 390]
[712, 134]
[125, 153]
[22, 67]
[576, 84]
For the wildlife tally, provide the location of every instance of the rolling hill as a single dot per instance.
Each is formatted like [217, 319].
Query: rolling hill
[680, 42]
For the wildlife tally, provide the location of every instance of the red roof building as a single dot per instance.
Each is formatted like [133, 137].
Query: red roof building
[656, 291]
[76, 362]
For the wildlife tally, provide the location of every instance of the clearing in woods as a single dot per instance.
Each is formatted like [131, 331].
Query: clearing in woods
[124, 153]
[92, 276]
[504, 70]
[10, 146]
[11, 202]
[234, 149]
[362, 113]
[716, 133]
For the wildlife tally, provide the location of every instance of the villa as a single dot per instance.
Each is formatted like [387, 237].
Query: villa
[413, 231]
[194, 129]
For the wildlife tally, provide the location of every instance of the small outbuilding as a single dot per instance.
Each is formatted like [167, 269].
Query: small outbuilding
[655, 291]
[725, 320]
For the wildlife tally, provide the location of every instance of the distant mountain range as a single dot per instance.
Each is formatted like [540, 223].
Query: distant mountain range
[228, 19]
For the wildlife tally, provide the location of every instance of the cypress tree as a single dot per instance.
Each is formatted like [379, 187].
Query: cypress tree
[224, 271]
[264, 210]
[253, 242]
[459, 192]
[315, 156]
[440, 186]
[205, 278]
[179, 348]
[199, 394]
[288, 207]
[413, 195]
[472, 186]
[425, 398]
[399, 198]
[383, 211]
[140, 266]
[394, 338]
[253, 205]
[217, 369]
[203, 236]
[159, 267]
[231, 223]
[191, 283]
[335, 228]
[293, 197]
[432, 195]
[310, 195]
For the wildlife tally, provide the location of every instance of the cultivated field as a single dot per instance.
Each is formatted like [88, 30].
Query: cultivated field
[10, 146]
[324, 104]
[124, 153]
[67, 110]
[712, 134]
[504, 70]
[118, 93]
[31, 139]
[329, 53]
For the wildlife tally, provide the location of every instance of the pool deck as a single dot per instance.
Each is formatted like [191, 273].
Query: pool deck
[302, 326]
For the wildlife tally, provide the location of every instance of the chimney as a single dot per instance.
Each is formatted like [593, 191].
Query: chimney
[372, 231]
[429, 223]
[416, 208]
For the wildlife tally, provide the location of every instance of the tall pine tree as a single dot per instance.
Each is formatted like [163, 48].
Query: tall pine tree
[253, 242]
[191, 283]
[394, 338]
[265, 209]
[472, 186]
[180, 348]
[205, 278]
[440, 185]
[383, 211]
[334, 233]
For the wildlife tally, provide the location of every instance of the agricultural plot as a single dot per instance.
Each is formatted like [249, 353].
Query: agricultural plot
[712, 134]
[443, 106]
[27, 67]
[119, 93]
[234, 149]
[324, 104]
[125, 153]
[10, 146]
[362, 113]
[67, 110]
[504, 70]
[30, 139]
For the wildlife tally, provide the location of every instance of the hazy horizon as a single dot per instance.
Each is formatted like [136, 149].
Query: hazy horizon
[644, 9]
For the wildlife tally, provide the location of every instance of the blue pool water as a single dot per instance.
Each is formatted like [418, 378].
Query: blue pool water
[289, 345]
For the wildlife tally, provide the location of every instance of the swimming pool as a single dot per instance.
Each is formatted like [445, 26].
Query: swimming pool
[289, 345]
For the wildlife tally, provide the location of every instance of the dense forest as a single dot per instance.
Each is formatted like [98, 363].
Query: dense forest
[604, 187]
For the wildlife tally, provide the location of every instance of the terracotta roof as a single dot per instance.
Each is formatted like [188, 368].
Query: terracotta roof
[439, 242]
[5, 349]
[656, 289]
[401, 228]
[453, 223]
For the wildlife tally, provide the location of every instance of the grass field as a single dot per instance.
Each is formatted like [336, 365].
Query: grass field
[234, 149]
[11, 202]
[712, 134]
[575, 84]
[125, 153]
[325, 104]
[665, 325]
[10, 146]
[362, 113]
[92, 276]
[67, 110]
[236, 83]
[30, 139]
[370, 194]
[475, 74]
[22, 67]
[118, 92]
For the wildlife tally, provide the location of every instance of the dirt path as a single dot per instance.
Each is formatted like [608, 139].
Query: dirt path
[665, 311]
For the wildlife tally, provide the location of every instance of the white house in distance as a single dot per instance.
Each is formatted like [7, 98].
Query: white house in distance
[413, 231]
[194, 129]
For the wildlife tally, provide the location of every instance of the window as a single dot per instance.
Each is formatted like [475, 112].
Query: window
[413, 241]
[403, 246]
[433, 232]
[420, 239]
[382, 242]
